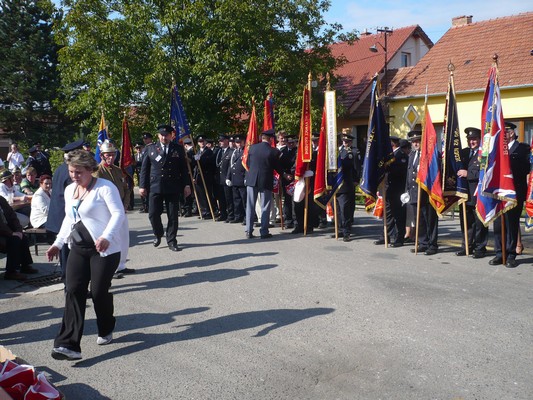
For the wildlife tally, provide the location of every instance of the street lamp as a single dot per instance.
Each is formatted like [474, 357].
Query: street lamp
[386, 31]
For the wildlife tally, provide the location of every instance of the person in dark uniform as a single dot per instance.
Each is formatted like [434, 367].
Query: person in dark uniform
[396, 177]
[235, 180]
[520, 166]
[428, 223]
[223, 192]
[188, 202]
[56, 211]
[299, 206]
[350, 162]
[38, 161]
[478, 233]
[164, 172]
[139, 149]
[287, 162]
[205, 160]
[263, 159]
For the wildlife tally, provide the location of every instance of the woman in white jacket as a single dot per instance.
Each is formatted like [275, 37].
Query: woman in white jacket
[94, 253]
[40, 202]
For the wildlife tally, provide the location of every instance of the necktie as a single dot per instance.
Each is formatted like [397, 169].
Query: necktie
[165, 149]
[415, 160]
[472, 153]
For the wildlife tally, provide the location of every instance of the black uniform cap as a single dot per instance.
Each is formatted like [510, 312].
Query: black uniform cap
[78, 144]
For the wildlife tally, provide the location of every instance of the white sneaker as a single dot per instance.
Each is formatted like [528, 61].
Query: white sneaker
[62, 353]
[104, 340]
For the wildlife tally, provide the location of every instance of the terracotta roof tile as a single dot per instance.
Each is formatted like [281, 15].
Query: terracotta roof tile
[470, 48]
[361, 64]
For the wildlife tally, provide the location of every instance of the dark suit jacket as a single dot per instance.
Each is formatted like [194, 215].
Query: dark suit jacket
[520, 166]
[263, 159]
[162, 173]
[56, 211]
[9, 223]
[410, 183]
[236, 171]
[397, 173]
[471, 164]
[223, 161]
[351, 169]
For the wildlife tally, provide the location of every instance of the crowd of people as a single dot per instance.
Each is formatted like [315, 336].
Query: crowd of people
[83, 205]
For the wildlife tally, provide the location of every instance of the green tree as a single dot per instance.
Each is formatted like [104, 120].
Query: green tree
[30, 79]
[120, 55]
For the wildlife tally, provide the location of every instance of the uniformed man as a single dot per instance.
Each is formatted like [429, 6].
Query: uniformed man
[287, 161]
[164, 173]
[223, 193]
[428, 223]
[520, 167]
[188, 202]
[350, 162]
[396, 177]
[478, 233]
[205, 168]
[235, 180]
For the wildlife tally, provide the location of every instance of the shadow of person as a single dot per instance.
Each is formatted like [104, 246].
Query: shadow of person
[274, 319]
[81, 391]
[192, 278]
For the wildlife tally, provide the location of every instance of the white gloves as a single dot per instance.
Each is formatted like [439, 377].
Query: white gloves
[308, 173]
[228, 183]
[197, 156]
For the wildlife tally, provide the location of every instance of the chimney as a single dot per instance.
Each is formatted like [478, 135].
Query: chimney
[461, 21]
[365, 33]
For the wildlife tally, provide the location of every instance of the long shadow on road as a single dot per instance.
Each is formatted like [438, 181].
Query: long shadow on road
[274, 319]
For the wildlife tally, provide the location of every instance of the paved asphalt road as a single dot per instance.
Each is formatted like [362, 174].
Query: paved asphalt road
[291, 318]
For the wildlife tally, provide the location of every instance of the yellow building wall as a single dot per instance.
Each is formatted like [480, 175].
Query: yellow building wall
[517, 105]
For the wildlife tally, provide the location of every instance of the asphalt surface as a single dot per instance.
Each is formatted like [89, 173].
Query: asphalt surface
[291, 317]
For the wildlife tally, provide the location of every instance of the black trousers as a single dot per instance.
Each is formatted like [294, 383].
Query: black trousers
[172, 205]
[346, 208]
[478, 234]
[396, 218]
[239, 202]
[512, 224]
[84, 265]
[428, 217]
[230, 208]
[18, 253]
[312, 215]
[220, 198]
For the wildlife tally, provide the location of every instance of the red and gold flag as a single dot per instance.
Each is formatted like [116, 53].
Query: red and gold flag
[251, 137]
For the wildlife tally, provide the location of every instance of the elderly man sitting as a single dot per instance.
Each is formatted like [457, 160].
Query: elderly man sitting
[13, 196]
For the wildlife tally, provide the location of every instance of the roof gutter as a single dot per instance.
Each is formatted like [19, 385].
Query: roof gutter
[421, 96]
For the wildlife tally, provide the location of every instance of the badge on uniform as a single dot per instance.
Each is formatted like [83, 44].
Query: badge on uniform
[174, 154]
[158, 158]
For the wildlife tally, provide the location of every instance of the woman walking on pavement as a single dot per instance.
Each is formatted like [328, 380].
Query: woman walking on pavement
[94, 214]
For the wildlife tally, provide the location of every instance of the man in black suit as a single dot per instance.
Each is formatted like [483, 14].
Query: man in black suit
[235, 180]
[396, 176]
[205, 168]
[520, 167]
[287, 162]
[350, 161]
[478, 233]
[223, 192]
[428, 226]
[164, 173]
[263, 159]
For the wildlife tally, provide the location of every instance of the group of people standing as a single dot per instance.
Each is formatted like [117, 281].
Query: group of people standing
[402, 200]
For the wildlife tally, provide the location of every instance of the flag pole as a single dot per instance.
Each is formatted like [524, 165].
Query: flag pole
[465, 229]
[504, 243]
[188, 162]
[335, 216]
[306, 207]
[417, 216]
[384, 198]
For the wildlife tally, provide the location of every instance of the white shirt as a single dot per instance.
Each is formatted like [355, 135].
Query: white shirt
[102, 213]
[39, 208]
[5, 191]
[15, 160]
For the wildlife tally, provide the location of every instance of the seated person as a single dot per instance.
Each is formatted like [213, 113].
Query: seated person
[17, 178]
[41, 202]
[8, 192]
[15, 244]
[29, 185]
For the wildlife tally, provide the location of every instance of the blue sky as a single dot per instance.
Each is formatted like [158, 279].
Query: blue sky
[435, 17]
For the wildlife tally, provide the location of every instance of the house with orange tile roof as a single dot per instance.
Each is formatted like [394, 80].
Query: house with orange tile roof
[470, 47]
[366, 57]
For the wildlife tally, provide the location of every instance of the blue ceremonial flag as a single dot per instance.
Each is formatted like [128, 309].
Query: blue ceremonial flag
[102, 136]
[496, 191]
[378, 153]
[178, 120]
[454, 188]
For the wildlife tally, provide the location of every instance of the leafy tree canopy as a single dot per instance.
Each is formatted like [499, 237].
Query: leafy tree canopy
[124, 55]
[30, 79]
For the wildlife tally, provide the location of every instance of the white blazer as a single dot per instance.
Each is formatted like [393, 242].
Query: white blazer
[39, 208]
[102, 213]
